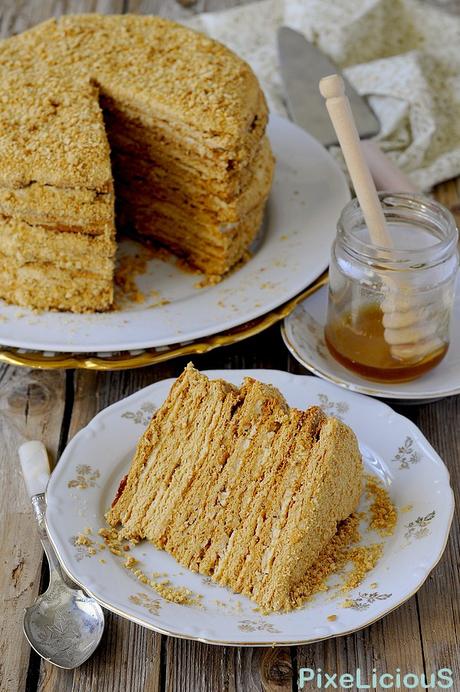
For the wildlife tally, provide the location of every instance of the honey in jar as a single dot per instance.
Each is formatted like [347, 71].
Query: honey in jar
[357, 341]
[408, 287]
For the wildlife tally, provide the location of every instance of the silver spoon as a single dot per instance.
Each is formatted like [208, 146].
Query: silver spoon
[64, 625]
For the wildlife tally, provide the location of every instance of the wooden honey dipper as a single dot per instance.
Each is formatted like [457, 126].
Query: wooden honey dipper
[408, 329]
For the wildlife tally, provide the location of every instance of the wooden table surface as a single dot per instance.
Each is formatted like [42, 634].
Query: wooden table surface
[423, 635]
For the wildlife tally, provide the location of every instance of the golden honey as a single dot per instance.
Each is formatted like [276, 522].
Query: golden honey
[356, 340]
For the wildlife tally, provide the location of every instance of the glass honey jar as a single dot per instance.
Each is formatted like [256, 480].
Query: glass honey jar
[389, 308]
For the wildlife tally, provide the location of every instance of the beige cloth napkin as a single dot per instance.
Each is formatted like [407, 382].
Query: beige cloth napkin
[403, 54]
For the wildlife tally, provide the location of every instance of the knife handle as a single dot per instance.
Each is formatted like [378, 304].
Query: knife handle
[385, 174]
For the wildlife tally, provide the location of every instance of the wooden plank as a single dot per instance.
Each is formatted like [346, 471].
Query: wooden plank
[192, 666]
[439, 598]
[448, 193]
[31, 407]
[378, 646]
[267, 670]
[195, 667]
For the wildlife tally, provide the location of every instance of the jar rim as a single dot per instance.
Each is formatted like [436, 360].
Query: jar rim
[420, 207]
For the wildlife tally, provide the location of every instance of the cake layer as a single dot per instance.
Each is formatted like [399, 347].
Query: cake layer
[80, 210]
[43, 286]
[226, 187]
[238, 486]
[139, 177]
[210, 249]
[24, 244]
[171, 140]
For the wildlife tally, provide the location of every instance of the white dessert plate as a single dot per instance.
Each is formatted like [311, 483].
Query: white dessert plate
[86, 478]
[303, 330]
[308, 194]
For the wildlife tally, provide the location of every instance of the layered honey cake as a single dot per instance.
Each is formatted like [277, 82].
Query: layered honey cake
[237, 485]
[128, 121]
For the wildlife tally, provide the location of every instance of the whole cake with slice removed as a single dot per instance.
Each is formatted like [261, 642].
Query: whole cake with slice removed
[127, 121]
[237, 485]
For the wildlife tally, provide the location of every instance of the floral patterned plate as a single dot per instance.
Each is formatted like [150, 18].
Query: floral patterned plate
[302, 332]
[86, 478]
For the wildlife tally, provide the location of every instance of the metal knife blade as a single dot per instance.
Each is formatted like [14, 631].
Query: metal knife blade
[302, 66]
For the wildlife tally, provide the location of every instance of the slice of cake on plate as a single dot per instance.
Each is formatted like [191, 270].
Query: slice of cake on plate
[237, 485]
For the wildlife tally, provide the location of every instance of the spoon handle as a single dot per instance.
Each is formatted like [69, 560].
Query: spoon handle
[36, 471]
[39, 506]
